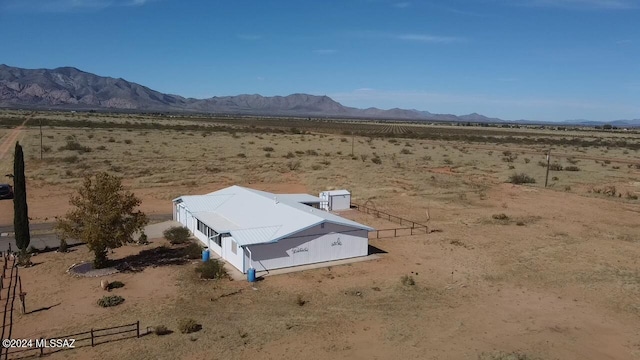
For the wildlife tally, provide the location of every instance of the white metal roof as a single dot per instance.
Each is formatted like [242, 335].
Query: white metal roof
[337, 192]
[256, 217]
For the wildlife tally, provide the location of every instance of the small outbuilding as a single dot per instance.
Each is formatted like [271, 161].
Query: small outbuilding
[335, 200]
[256, 229]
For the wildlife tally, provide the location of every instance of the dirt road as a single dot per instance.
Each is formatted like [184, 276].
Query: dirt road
[10, 140]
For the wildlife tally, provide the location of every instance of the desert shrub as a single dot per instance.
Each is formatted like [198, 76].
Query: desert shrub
[299, 152]
[571, 168]
[631, 196]
[607, 162]
[405, 151]
[447, 161]
[501, 216]
[267, 148]
[325, 162]
[555, 167]
[300, 301]
[46, 148]
[344, 139]
[393, 141]
[290, 155]
[542, 163]
[426, 158]
[316, 167]
[177, 234]
[241, 155]
[111, 300]
[527, 160]
[143, 239]
[193, 251]
[128, 142]
[101, 147]
[75, 146]
[608, 190]
[188, 326]
[521, 178]
[161, 330]
[63, 247]
[111, 140]
[572, 161]
[364, 157]
[407, 280]
[115, 285]
[212, 269]
[267, 155]
[312, 152]
[376, 160]
[293, 164]
[505, 356]
[70, 159]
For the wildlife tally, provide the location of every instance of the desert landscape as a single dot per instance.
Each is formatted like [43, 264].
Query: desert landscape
[510, 269]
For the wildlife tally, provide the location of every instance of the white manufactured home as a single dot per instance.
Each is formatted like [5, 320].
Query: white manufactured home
[264, 231]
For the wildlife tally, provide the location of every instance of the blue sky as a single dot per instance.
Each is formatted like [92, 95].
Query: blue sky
[513, 59]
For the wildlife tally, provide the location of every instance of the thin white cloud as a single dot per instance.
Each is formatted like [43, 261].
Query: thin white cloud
[402, 5]
[585, 4]
[409, 37]
[427, 38]
[325, 51]
[68, 5]
[624, 41]
[252, 37]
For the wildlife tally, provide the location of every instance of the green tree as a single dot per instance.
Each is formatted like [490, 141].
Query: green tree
[104, 216]
[20, 209]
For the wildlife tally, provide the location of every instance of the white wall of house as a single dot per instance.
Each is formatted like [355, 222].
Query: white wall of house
[318, 244]
[233, 253]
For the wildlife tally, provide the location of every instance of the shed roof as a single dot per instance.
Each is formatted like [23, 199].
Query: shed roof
[338, 192]
[256, 217]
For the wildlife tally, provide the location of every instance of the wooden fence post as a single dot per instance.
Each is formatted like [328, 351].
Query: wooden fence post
[138, 328]
[92, 343]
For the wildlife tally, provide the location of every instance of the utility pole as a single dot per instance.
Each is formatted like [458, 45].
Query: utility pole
[546, 179]
[352, 140]
[40, 123]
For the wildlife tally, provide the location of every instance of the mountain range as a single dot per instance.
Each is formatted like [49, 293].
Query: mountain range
[68, 88]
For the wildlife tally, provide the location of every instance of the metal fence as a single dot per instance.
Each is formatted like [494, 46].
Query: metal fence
[411, 227]
[92, 338]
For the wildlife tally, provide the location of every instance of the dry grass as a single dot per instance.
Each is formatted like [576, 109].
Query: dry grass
[555, 249]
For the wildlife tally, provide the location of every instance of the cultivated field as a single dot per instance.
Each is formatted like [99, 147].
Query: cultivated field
[511, 269]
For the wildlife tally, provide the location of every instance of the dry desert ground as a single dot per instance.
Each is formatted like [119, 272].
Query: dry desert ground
[507, 271]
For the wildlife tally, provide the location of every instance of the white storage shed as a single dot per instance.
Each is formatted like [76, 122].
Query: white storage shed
[335, 200]
[256, 229]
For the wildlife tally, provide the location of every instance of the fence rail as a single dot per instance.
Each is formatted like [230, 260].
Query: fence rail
[8, 268]
[412, 227]
[82, 339]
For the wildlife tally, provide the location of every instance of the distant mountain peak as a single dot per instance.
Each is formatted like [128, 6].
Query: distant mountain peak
[71, 88]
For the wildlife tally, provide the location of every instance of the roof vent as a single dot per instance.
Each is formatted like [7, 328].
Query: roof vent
[275, 198]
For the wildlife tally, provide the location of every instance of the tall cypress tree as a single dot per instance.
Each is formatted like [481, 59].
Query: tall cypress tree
[20, 210]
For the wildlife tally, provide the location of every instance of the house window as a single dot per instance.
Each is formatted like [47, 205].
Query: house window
[234, 247]
[322, 226]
